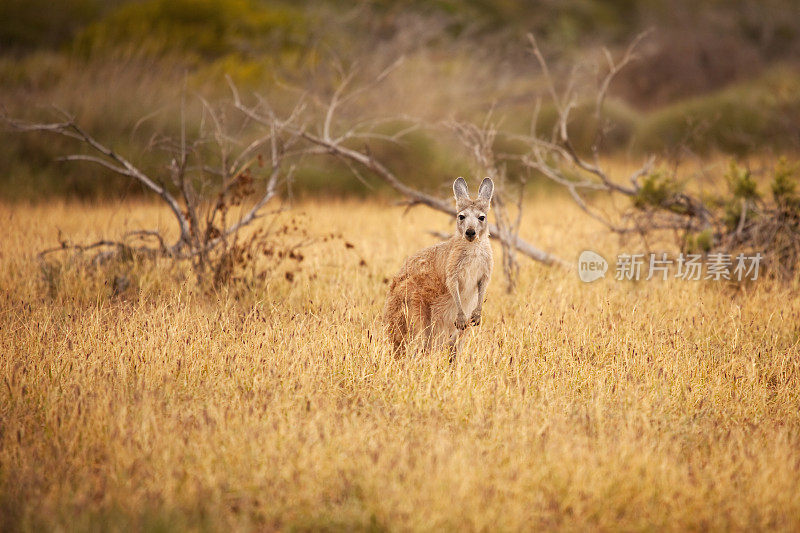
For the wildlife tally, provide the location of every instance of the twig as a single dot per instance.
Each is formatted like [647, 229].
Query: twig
[123, 166]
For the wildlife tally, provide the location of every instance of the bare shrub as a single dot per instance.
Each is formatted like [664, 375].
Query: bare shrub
[219, 180]
[215, 185]
[659, 200]
[349, 143]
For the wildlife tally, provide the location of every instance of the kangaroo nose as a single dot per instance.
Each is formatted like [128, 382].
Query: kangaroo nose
[470, 232]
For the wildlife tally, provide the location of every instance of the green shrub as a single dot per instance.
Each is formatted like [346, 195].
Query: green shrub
[739, 120]
[205, 28]
[784, 184]
[656, 190]
[743, 189]
[741, 182]
[699, 242]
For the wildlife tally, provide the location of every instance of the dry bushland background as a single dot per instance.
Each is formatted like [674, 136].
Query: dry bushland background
[712, 76]
[133, 397]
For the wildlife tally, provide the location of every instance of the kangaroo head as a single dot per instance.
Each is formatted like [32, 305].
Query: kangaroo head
[471, 217]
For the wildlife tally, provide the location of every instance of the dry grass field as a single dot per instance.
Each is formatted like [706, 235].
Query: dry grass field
[609, 406]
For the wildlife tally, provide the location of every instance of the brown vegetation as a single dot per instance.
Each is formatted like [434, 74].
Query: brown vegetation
[613, 405]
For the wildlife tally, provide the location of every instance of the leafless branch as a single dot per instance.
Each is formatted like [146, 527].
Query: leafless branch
[416, 197]
[201, 235]
[327, 143]
[112, 160]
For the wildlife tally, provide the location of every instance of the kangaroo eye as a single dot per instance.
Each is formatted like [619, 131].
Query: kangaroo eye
[461, 217]
[481, 218]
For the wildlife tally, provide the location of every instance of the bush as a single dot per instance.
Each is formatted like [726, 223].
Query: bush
[740, 220]
[739, 120]
[784, 185]
[657, 190]
[205, 28]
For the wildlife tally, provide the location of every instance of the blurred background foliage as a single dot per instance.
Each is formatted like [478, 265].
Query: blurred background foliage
[715, 76]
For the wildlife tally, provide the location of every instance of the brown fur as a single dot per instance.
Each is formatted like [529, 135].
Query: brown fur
[439, 290]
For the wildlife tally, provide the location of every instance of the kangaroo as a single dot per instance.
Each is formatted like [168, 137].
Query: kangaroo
[439, 290]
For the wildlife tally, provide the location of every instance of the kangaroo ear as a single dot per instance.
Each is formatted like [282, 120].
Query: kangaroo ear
[486, 189]
[460, 190]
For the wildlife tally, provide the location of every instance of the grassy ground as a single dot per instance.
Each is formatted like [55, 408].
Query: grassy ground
[615, 405]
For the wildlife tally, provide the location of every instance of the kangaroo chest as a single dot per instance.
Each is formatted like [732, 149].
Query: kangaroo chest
[472, 269]
[468, 279]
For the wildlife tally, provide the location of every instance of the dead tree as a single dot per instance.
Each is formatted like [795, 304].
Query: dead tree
[556, 157]
[332, 140]
[658, 202]
[214, 185]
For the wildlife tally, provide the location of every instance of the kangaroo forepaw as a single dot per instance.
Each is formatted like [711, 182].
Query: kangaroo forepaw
[475, 319]
[461, 321]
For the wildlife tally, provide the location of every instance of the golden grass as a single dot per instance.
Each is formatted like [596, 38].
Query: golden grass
[607, 406]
